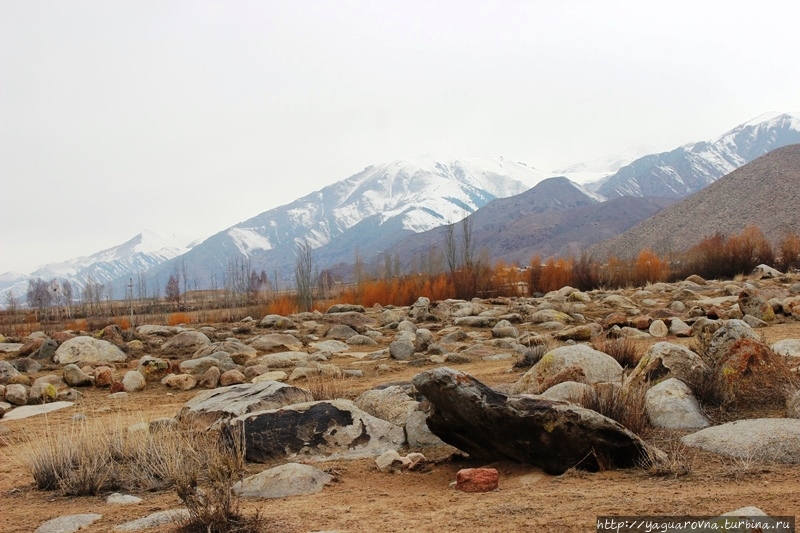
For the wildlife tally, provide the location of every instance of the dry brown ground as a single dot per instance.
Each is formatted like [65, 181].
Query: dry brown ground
[364, 499]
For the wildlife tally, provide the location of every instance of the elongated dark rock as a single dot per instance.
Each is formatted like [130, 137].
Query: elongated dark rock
[550, 434]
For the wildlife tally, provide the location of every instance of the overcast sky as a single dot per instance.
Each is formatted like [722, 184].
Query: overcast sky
[188, 117]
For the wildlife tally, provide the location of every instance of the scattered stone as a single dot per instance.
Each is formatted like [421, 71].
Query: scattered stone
[75, 377]
[180, 381]
[760, 439]
[665, 360]
[153, 368]
[133, 381]
[88, 350]
[275, 375]
[272, 341]
[156, 519]
[765, 272]
[287, 359]
[595, 366]
[579, 333]
[291, 479]
[679, 328]
[402, 349]
[477, 480]
[7, 372]
[570, 391]
[556, 436]
[231, 377]
[671, 405]
[26, 365]
[185, 342]
[658, 329]
[750, 303]
[332, 346]
[68, 524]
[103, 376]
[210, 379]
[27, 411]
[16, 394]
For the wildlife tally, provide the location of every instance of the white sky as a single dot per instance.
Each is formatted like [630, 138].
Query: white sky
[188, 117]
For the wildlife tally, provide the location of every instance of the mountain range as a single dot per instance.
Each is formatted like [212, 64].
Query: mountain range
[762, 193]
[401, 208]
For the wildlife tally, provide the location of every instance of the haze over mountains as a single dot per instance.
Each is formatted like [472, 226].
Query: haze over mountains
[401, 207]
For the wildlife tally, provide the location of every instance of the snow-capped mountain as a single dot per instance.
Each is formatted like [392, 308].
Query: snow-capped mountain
[691, 167]
[592, 172]
[129, 259]
[365, 213]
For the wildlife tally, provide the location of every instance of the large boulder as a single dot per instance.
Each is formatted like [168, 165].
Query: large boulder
[88, 350]
[665, 360]
[593, 366]
[236, 350]
[671, 405]
[760, 439]
[330, 429]
[276, 341]
[236, 400]
[724, 337]
[185, 342]
[752, 374]
[555, 436]
[391, 403]
[750, 303]
[7, 372]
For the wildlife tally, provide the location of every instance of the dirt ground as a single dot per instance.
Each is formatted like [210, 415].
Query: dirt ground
[363, 499]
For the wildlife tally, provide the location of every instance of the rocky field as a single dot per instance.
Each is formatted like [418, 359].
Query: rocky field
[366, 419]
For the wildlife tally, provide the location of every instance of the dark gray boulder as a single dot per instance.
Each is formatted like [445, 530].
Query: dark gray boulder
[553, 435]
[330, 429]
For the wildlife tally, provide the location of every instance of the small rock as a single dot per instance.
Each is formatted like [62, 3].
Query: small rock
[75, 377]
[180, 381]
[210, 379]
[477, 480]
[133, 381]
[231, 377]
[292, 479]
[658, 329]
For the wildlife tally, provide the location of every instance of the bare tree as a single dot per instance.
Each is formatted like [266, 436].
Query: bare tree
[173, 289]
[468, 252]
[67, 294]
[304, 275]
[450, 248]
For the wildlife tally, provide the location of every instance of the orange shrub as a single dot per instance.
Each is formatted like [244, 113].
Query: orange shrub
[283, 305]
[80, 324]
[123, 323]
[649, 268]
[173, 319]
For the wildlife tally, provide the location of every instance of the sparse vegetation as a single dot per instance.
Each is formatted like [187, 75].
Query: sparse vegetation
[622, 349]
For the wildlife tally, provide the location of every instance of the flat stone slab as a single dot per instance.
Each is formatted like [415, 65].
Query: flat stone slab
[153, 520]
[224, 403]
[26, 411]
[68, 524]
[291, 479]
[759, 439]
[10, 347]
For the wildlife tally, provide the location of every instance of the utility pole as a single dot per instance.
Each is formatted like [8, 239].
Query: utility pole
[130, 296]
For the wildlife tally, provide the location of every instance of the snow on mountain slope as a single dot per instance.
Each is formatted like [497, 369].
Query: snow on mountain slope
[425, 194]
[597, 169]
[381, 203]
[689, 168]
[135, 256]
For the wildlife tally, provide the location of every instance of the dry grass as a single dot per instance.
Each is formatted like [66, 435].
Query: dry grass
[622, 349]
[330, 388]
[531, 356]
[626, 406]
[92, 458]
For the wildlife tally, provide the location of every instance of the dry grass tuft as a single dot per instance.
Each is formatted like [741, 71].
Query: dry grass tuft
[531, 356]
[626, 406]
[330, 388]
[622, 349]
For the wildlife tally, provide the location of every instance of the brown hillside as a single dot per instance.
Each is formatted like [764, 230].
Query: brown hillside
[764, 193]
